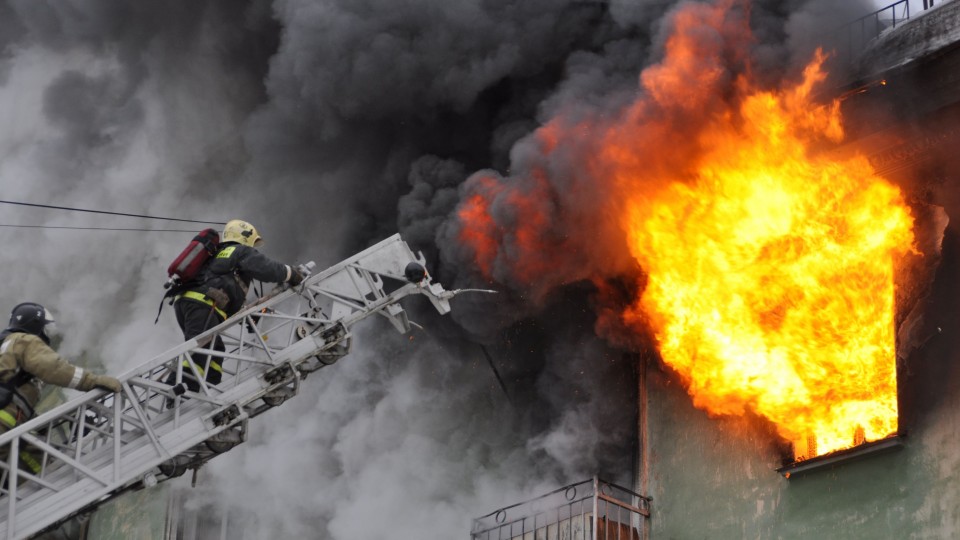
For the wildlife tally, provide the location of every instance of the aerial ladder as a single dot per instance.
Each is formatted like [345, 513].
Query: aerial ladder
[99, 445]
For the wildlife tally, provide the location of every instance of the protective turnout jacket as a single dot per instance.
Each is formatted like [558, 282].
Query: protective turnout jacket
[26, 359]
[234, 267]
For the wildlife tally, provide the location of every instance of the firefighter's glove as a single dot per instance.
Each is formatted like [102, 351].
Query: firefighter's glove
[220, 298]
[296, 277]
[106, 382]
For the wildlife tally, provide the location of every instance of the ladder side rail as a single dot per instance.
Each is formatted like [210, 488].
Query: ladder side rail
[65, 414]
[364, 295]
[142, 421]
[60, 467]
[158, 433]
[139, 414]
[33, 518]
[62, 458]
[375, 256]
[72, 488]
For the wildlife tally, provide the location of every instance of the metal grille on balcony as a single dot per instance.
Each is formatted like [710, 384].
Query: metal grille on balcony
[854, 37]
[589, 510]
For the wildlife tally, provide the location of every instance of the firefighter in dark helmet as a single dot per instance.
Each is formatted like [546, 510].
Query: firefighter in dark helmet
[220, 290]
[26, 361]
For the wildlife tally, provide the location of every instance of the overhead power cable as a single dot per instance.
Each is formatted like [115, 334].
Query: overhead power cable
[94, 228]
[110, 213]
[496, 374]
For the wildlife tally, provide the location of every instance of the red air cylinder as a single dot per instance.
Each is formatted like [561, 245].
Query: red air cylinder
[192, 258]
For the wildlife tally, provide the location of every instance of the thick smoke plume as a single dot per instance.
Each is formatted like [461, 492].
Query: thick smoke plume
[331, 125]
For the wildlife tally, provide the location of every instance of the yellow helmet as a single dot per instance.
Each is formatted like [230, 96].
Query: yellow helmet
[241, 232]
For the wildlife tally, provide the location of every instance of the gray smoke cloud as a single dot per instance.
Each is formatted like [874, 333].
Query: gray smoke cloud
[331, 125]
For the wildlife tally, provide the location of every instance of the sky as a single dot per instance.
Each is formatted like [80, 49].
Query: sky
[331, 125]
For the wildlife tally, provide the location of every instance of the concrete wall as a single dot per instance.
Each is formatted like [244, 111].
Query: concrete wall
[139, 514]
[715, 478]
[924, 34]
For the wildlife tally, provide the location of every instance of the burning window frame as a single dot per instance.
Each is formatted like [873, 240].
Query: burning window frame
[914, 279]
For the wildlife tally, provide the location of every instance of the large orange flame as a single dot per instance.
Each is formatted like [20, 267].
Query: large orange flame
[771, 276]
[769, 261]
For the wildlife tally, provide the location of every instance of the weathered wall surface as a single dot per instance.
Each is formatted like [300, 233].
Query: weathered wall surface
[716, 478]
[924, 34]
[140, 514]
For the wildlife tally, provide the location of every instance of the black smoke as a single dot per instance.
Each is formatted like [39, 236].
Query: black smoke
[331, 125]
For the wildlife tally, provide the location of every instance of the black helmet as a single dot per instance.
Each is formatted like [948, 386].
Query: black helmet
[31, 318]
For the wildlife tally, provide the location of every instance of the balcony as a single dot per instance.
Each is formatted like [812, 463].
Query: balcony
[589, 510]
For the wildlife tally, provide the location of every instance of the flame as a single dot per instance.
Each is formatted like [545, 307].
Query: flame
[482, 234]
[485, 236]
[769, 262]
[771, 277]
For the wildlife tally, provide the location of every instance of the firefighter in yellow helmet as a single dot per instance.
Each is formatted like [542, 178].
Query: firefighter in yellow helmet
[26, 361]
[220, 290]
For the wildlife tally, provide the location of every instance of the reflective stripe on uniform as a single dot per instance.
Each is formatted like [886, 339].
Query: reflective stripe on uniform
[29, 461]
[11, 421]
[226, 252]
[77, 375]
[200, 370]
[25, 456]
[194, 295]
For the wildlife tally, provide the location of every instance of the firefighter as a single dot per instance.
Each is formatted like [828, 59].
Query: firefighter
[220, 290]
[26, 361]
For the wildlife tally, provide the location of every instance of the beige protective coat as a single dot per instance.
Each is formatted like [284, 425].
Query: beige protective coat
[29, 353]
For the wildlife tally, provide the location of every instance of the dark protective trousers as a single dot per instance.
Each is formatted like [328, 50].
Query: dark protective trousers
[30, 457]
[194, 319]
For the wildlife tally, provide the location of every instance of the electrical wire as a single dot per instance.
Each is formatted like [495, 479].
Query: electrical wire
[94, 228]
[496, 374]
[110, 213]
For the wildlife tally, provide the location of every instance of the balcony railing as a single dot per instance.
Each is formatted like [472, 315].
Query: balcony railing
[589, 510]
[854, 37]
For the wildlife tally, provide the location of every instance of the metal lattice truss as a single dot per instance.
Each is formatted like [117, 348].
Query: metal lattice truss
[100, 444]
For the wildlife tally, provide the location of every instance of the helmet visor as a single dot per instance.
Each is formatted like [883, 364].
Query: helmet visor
[49, 324]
